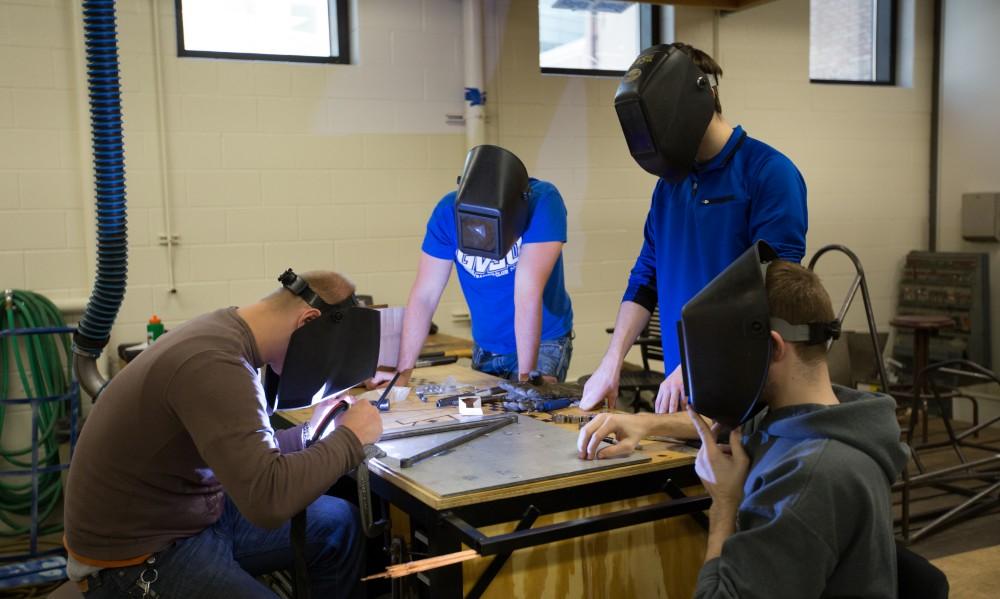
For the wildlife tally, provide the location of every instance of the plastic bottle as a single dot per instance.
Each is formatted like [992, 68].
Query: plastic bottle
[154, 328]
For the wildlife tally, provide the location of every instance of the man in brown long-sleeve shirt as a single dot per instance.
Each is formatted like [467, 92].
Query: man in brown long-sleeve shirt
[178, 475]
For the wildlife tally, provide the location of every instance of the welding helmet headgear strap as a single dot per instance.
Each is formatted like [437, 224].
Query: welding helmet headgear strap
[491, 206]
[664, 104]
[331, 353]
[726, 340]
[812, 333]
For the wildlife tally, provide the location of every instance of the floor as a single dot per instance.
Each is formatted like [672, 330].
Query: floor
[968, 551]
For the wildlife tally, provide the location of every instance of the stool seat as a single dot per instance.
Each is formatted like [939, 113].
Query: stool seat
[928, 322]
[923, 326]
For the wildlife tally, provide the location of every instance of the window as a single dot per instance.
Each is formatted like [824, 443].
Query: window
[852, 41]
[290, 30]
[597, 37]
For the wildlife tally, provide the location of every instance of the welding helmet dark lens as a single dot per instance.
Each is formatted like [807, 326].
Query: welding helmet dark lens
[491, 206]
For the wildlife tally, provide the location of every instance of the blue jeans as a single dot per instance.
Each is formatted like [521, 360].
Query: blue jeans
[553, 359]
[223, 559]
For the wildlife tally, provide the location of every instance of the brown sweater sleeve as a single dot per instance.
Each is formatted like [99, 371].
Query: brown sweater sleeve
[289, 439]
[219, 400]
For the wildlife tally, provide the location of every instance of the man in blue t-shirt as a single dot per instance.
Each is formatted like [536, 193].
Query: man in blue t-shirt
[522, 318]
[738, 190]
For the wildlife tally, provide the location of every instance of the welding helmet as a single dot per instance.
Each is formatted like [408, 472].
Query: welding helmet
[329, 354]
[725, 339]
[664, 104]
[491, 207]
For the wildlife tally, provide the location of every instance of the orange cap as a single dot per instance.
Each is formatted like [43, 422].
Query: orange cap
[154, 319]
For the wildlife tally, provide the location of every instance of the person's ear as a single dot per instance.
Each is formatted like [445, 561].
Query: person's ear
[779, 347]
[307, 316]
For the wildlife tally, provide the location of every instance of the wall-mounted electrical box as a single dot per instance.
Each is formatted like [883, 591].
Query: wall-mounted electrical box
[981, 216]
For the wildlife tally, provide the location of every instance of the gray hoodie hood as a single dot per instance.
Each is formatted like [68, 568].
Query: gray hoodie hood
[816, 516]
[864, 421]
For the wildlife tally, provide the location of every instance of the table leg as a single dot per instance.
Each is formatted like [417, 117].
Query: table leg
[434, 539]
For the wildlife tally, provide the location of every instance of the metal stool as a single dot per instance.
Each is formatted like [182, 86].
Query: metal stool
[923, 326]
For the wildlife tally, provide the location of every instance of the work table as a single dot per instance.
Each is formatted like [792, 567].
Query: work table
[631, 540]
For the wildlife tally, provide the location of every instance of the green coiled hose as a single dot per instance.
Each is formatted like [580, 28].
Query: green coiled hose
[43, 367]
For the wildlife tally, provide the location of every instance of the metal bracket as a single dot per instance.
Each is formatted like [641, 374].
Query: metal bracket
[519, 539]
[675, 492]
[530, 515]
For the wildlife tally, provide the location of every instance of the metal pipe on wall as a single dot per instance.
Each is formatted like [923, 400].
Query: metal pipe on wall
[932, 232]
[161, 135]
[475, 95]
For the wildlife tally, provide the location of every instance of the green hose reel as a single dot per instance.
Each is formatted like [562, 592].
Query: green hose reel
[43, 368]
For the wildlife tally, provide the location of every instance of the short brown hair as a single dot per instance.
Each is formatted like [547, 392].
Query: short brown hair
[796, 295]
[707, 65]
[331, 287]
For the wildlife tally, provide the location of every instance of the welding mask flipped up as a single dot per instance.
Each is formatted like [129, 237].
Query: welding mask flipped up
[725, 339]
[329, 354]
[491, 207]
[664, 104]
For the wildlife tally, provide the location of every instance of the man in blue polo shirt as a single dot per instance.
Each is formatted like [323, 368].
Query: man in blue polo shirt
[719, 192]
[505, 233]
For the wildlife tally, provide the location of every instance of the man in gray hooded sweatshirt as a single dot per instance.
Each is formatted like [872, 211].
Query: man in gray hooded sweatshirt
[802, 506]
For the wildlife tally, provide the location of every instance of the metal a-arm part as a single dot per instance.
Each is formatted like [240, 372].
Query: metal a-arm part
[477, 429]
[371, 528]
[476, 432]
[433, 429]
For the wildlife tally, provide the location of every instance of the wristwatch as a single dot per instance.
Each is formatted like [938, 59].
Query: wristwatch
[306, 436]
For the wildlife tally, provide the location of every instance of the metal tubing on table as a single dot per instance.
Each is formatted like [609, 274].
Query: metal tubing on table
[406, 433]
[475, 433]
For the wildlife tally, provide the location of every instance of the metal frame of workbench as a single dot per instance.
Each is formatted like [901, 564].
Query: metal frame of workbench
[438, 532]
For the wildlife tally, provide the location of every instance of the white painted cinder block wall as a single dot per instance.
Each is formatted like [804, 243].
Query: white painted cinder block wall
[863, 150]
[318, 166]
[271, 165]
[969, 146]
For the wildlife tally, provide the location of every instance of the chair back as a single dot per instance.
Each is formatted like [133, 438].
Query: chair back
[653, 348]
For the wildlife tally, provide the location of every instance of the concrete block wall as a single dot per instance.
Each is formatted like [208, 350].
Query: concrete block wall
[337, 166]
[270, 165]
[969, 145]
[863, 150]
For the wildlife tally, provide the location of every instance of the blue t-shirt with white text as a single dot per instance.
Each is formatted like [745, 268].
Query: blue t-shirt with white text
[488, 284]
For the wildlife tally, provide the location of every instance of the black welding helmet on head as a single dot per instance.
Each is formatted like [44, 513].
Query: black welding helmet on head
[725, 339]
[664, 104]
[329, 354]
[491, 207]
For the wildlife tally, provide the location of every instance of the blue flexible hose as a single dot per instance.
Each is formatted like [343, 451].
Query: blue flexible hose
[101, 41]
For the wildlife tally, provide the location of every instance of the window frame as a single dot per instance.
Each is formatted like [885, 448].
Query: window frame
[650, 33]
[886, 17]
[343, 42]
